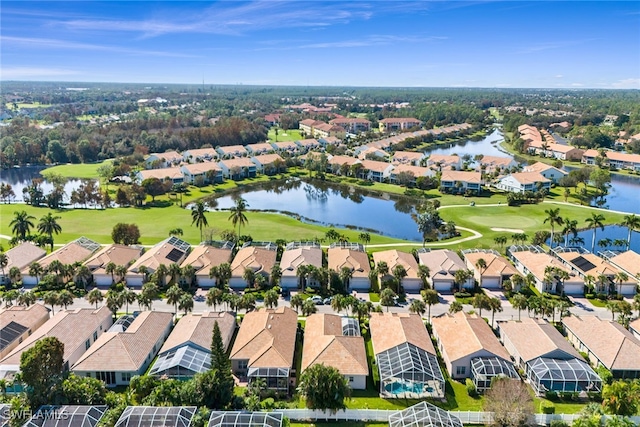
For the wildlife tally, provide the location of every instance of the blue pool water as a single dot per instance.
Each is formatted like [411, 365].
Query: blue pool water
[402, 387]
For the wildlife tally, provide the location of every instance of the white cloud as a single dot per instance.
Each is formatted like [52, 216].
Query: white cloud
[10, 73]
[559, 76]
[632, 83]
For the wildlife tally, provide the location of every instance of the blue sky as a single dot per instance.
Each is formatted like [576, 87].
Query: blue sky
[593, 44]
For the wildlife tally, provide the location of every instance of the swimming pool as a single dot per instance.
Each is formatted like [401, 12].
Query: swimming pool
[401, 387]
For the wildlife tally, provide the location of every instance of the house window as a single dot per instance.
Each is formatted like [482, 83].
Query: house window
[107, 377]
[461, 370]
[95, 335]
[87, 344]
[126, 376]
[243, 364]
[351, 379]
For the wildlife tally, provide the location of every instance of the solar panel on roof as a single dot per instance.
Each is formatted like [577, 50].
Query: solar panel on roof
[175, 255]
[9, 333]
[583, 264]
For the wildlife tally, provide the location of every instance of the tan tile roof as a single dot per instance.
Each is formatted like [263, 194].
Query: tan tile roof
[462, 176]
[115, 253]
[628, 261]
[340, 160]
[202, 152]
[197, 328]
[416, 171]
[169, 156]
[389, 330]
[267, 159]
[310, 122]
[128, 350]
[171, 173]
[535, 338]
[600, 265]
[463, 334]
[407, 156]
[294, 258]
[623, 157]
[261, 146]
[372, 150]
[68, 254]
[374, 165]
[497, 266]
[325, 344]
[444, 159]
[541, 167]
[357, 261]
[258, 259]
[23, 255]
[537, 262]
[267, 338]
[591, 153]
[529, 177]
[400, 120]
[202, 167]
[610, 342]
[153, 257]
[635, 325]
[496, 161]
[232, 149]
[203, 257]
[285, 145]
[311, 142]
[240, 162]
[64, 326]
[394, 257]
[31, 317]
[442, 263]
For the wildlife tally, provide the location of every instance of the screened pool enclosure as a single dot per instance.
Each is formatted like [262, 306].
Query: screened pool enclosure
[572, 375]
[423, 414]
[485, 369]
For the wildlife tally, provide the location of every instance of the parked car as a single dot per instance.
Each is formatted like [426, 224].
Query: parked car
[317, 300]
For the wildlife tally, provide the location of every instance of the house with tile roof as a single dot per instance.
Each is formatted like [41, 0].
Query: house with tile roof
[120, 255]
[259, 148]
[550, 362]
[237, 168]
[336, 164]
[20, 257]
[634, 328]
[333, 340]
[627, 261]
[553, 174]
[584, 263]
[295, 255]
[285, 147]
[163, 160]
[534, 260]
[490, 164]
[443, 265]
[230, 151]
[462, 338]
[497, 270]
[264, 347]
[405, 357]
[352, 125]
[18, 322]
[408, 157]
[441, 162]
[268, 164]
[606, 343]
[173, 174]
[63, 326]
[373, 170]
[202, 172]
[413, 171]
[204, 257]
[187, 350]
[614, 159]
[196, 155]
[260, 259]
[411, 282]
[170, 251]
[118, 355]
[356, 260]
[76, 251]
[371, 153]
[453, 181]
[395, 124]
[520, 182]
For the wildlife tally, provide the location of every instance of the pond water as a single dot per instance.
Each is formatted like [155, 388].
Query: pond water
[612, 232]
[488, 145]
[20, 178]
[334, 206]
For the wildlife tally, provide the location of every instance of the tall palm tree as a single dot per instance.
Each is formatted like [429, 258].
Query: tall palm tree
[65, 298]
[423, 274]
[595, 221]
[21, 224]
[570, 227]
[494, 305]
[481, 265]
[554, 218]
[129, 297]
[632, 223]
[417, 306]
[95, 296]
[4, 261]
[621, 277]
[36, 270]
[214, 297]
[83, 275]
[174, 293]
[519, 302]
[237, 216]
[51, 298]
[430, 297]
[110, 268]
[27, 298]
[198, 216]
[49, 225]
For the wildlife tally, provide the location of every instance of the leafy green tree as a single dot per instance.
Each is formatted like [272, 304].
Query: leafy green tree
[198, 216]
[221, 365]
[41, 370]
[455, 307]
[83, 391]
[126, 234]
[621, 397]
[49, 225]
[21, 224]
[324, 387]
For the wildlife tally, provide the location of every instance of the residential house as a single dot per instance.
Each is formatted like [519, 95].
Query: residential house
[553, 150]
[76, 251]
[424, 414]
[202, 173]
[260, 259]
[337, 164]
[491, 164]
[452, 181]
[20, 257]
[553, 174]
[443, 265]
[173, 174]
[268, 164]
[272, 119]
[550, 363]
[521, 182]
[335, 341]
[606, 343]
[583, 263]
[295, 255]
[468, 347]
[289, 147]
[264, 348]
[407, 158]
[413, 171]
[119, 255]
[373, 170]
[441, 162]
[497, 268]
[352, 125]
[412, 283]
[627, 261]
[63, 326]
[187, 350]
[163, 160]
[307, 125]
[308, 144]
[405, 357]
[355, 258]
[17, 323]
[231, 151]
[330, 141]
[325, 130]
[589, 157]
[197, 155]
[206, 256]
[170, 251]
[614, 159]
[634, 327]
[259, 148]
[534, 260]
[238, 168]
[395, 124]
[135, 343]
[371, 153]
[164, 416]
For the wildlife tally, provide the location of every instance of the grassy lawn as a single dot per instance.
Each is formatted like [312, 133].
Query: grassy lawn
[561, 407]
[339, 424]
[284, 135]
[598, 303]
[9, 105]
[374, 297]
[83, 170]
[458, 399]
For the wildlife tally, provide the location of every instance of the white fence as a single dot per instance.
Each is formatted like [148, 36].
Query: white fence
[467, 417]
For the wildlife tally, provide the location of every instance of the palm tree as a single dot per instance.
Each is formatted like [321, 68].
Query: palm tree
[500, 240]
[494, 305]
[49, 225]
[430, 297]
[632, 223]
[553, 217]
[161, 274]
[296, 302]
[399, 273]
[83, 275]
[455, 307]
[271, 298]
[149, 293]
[595, 221]
[237, 216]
[275, 275]
[418, 306]
[387, 297]
[346, 273]
[21, 224]
[338, 303]
[129, 297]
[198, 216]
[214, 297]
[173, 296]
[65, 298]
[481, 265]
[621, 277]
[365, 238]
[95, 296]
[570, 227]
[27, 298]
[519, 302]
[185, 302]
[480, 301]
[51, 298]
[110, 268]
[424, 273]
[174, 272]
[36, 270]
[114, 300]
[4, 261]
[636, 303]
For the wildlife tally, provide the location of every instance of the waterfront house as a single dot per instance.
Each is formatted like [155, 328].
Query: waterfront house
[373, 170]
[202, 173]
[533, 259]
[173, 174]
[237, 168]
[520, 182]
[497, 269]
[453, 181]
[268, 164]
[553, 174]
[163, 160]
